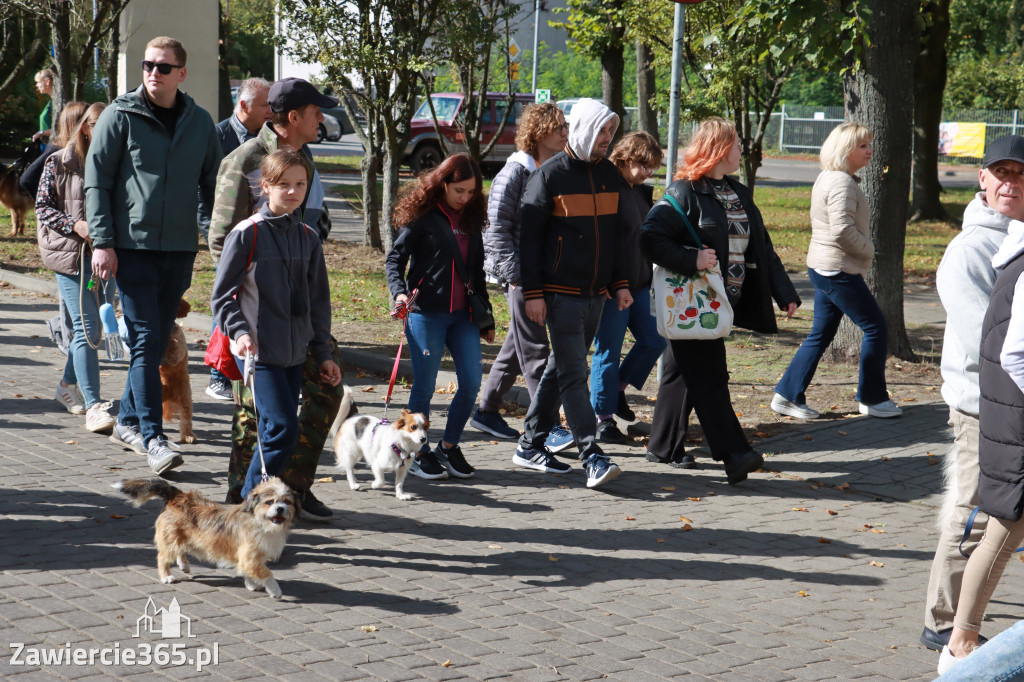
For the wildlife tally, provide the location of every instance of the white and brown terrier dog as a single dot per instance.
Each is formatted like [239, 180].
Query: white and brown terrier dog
[386, 446]
[244, 536]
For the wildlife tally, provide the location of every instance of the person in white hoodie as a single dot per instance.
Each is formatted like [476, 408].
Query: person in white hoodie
[541, 133]
[964, 280]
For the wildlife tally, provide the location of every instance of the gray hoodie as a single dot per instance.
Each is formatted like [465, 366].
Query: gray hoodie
[964, 280]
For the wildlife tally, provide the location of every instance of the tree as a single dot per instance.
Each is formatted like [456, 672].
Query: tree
[373, 52]
[929, 87]
[879, 94]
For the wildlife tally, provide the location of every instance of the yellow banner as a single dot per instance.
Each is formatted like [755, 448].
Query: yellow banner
[962, 139]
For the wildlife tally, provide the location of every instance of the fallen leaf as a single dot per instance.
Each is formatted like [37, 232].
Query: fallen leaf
[878, 564]
[824, 541]
[552, 557]
[492, 442]
[831, 512]
[693, 499]
[17, 395]
[843, 486]
[494, 547]
[116, 516]
[833, 407]
[842, 433]
[71, 442]
[668, 488]
[803, 594]
[877, 530]
[368, 389]
[800, 509]
[659, 540]
[762, 434]
[808, 437]
[326, 479]
[909, 400]
[368, 628]
[886, 458]
[631, 518]
[685, 520]
[686, 527]
[815, 486]
[446, 663]
[738, 414]
[563, 486]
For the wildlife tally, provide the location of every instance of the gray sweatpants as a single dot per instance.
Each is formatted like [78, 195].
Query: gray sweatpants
[525, 352]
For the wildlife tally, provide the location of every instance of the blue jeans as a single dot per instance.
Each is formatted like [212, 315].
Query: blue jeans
[429, 334]
[277, 403]
[572, 323]
[606, 374]
[151, 284]
[834, 297]
[83, 364]
[999, 660]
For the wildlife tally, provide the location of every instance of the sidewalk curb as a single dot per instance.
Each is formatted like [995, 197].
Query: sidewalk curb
[199, 322]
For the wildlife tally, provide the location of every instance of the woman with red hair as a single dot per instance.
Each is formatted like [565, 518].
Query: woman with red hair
[732, 235]
[442, 217]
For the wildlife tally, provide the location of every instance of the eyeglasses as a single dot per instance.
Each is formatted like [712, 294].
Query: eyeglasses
[163, 68]
[647, 171]
[564, 128]
[1004, 174]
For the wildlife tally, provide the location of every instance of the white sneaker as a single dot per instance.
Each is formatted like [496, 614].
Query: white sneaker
[98, 417]
[947, 660]
[791, 409]
[71, 398]
[886, 409]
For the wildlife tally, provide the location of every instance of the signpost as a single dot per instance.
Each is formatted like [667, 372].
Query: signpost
[675, 94]
[513, 59]
[542, 96]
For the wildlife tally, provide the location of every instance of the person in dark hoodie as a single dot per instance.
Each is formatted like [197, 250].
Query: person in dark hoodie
[637, 156]
[151, 148]
[275, 265]
[571, 258]
[695, 376]
[441, 218]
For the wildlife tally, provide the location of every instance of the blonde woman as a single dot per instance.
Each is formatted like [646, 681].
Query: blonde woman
[44, 86]
[840, 253]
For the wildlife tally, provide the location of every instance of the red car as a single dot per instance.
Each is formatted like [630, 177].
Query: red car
[423, 150]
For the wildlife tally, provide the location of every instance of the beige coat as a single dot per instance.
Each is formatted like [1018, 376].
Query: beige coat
[840, 234]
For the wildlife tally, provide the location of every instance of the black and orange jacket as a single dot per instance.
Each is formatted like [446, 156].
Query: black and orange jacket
[571, 237]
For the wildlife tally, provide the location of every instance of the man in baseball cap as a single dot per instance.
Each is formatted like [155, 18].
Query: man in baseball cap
[964, 280]
[295, 118]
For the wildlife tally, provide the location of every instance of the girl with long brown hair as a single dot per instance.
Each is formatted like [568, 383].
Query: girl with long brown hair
[441, 218]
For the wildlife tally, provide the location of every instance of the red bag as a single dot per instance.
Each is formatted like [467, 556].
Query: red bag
[218, 350]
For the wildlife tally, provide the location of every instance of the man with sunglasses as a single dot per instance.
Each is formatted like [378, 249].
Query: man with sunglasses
[151, 149]
[964, 280]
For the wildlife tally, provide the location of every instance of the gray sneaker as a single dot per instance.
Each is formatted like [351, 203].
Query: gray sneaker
[162, 456]
[128, 437]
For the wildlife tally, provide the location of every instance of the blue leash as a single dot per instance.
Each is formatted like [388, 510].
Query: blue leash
[967, 534]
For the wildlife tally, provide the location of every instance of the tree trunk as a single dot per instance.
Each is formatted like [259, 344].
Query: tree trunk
[880, 96]
[929, 84]
[112, 60]
[647, 116]
[370, 165]
[612, 67]
[392, 159]
[61, 22]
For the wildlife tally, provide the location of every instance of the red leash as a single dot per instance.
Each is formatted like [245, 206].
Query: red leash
[401, 312]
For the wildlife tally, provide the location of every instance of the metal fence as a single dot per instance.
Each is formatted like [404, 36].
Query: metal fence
[803, 129]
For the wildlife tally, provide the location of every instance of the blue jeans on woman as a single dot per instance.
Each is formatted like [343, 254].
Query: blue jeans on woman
[606, 374]
[83, 364]
[277, 403]
[835, 296]
[429, 334]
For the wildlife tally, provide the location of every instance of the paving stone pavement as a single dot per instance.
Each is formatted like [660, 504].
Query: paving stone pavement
[512, 575]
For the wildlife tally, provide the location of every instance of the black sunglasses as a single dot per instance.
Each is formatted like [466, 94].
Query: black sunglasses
[165, 69]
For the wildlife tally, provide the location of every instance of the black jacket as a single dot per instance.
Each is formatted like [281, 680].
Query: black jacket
[1001, 446]
[636, 204]
[665, 240]
[426, 246]
[571, 234]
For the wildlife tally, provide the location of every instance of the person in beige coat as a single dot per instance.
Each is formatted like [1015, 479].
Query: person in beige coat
[839, 254]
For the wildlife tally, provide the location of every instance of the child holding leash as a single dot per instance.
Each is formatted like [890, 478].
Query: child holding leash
[271, 299]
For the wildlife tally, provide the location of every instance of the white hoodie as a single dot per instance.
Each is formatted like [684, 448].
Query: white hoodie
[1012, 355]
[964, 280]
[586, 119]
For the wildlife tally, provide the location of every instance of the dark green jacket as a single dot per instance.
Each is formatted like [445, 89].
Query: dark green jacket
[140, 183]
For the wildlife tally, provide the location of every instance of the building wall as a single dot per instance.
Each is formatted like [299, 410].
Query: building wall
[194, 22]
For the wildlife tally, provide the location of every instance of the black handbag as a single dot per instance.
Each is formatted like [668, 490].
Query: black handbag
[480, 311]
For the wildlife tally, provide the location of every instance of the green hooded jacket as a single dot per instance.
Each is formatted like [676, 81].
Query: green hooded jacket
[140, 182]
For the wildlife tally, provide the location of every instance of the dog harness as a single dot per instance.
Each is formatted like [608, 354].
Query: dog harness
[394, 446]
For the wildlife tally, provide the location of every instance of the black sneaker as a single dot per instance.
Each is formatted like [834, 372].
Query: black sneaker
[220, 390]
[538, 460]
[454, 461]
[622, 411]
[494, 424]
[313, 509]
[608, 432]
[738, 466]
[425, 465]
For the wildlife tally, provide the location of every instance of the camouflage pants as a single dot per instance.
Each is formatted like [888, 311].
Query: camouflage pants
[319, 407]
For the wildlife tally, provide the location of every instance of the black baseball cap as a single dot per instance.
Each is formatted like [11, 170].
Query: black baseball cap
[1005, 148]
[289, 94]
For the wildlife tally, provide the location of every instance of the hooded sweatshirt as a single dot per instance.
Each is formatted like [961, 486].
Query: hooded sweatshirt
[964, 280]
[571, 232]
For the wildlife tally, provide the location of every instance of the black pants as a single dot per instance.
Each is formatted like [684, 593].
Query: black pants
[695, 377]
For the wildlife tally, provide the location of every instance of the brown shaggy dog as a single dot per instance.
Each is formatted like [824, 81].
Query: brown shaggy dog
[177, 389]
[15, 198]
[243, 536]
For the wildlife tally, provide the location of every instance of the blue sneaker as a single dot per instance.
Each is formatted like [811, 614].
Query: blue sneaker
[538, 460]
[600, 470]
[559, 439]
[492, 423]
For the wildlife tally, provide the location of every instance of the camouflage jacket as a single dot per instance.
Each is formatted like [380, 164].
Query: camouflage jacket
[238, 191]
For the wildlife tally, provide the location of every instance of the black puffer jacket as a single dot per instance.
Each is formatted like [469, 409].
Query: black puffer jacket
[636, 204]
[501, 239]
[666, 241]
[426, 247]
